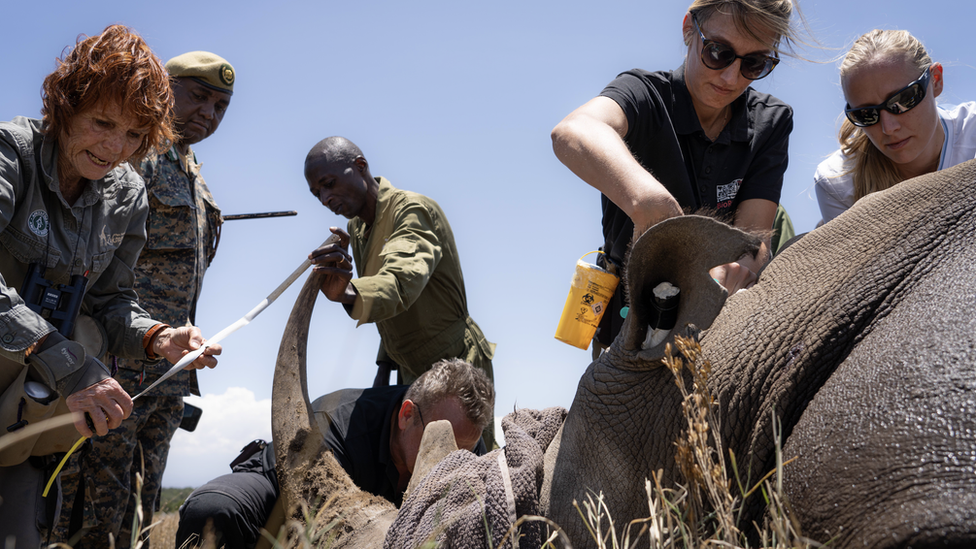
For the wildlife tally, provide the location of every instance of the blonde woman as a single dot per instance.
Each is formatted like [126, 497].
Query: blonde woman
[658, 144]
[893, 129]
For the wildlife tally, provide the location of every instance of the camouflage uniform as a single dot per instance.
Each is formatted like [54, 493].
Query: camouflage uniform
[169, 275]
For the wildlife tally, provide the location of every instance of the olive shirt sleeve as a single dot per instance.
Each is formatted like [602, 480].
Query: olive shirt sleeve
[20, 326]
[408, 258]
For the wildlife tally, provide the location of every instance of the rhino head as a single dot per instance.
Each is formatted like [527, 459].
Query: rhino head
[860, 339]
[312, 482]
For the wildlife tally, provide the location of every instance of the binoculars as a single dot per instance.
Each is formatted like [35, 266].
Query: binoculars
[59, 304]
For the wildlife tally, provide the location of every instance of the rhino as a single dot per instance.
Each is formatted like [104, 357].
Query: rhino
[858, 343]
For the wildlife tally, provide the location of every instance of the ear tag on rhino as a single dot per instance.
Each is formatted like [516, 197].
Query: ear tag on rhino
[663, 314]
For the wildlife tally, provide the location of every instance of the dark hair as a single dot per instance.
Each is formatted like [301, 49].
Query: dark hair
[456, 378]
[117, 64]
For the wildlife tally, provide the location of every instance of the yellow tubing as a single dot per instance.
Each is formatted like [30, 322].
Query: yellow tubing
[61, 465]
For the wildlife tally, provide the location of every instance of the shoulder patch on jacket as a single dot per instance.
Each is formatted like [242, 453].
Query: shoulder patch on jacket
[399, 246]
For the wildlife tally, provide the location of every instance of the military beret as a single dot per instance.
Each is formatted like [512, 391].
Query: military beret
[207, 68]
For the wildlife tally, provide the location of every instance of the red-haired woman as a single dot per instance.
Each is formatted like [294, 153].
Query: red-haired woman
[72, 224]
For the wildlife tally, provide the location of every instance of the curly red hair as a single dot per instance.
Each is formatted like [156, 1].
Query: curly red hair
[118, 65]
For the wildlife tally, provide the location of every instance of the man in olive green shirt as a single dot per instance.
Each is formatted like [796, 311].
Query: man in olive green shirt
[410, 282]
[409, 273]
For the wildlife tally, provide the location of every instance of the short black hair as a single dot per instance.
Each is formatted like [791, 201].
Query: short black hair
[335, 149]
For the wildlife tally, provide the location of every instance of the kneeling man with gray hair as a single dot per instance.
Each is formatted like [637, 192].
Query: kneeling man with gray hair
[374, 434]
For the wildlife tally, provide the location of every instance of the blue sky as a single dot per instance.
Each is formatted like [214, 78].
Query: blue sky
[450, 99]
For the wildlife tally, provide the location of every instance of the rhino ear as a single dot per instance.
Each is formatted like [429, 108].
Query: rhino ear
[680, 250]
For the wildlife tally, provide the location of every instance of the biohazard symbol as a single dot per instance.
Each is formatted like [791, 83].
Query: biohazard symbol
[583, 316]
[588, 299]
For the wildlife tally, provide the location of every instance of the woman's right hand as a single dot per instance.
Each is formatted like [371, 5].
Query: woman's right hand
[654, 208]
[105, 403]
[733, 277]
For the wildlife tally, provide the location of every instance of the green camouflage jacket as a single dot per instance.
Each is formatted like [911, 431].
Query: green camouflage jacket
[182, 234]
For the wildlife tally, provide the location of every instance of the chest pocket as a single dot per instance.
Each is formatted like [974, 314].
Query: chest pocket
[28, 250]
[171, 215]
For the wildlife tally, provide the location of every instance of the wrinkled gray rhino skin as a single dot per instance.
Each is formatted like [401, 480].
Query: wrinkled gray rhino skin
[860, 337]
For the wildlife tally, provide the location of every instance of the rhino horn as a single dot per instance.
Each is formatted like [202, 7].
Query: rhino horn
[437, 442]
[680, 250]
[308, 474]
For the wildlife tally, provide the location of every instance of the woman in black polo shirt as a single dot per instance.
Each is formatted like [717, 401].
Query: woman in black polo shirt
[658, 144]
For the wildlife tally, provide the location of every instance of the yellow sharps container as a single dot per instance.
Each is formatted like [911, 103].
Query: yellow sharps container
[588, 298]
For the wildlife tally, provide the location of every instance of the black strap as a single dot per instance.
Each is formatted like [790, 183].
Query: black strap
[252, 448]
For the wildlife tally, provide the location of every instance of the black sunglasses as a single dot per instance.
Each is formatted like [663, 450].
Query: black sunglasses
[420, 415]
[900, 102]
[717, 56]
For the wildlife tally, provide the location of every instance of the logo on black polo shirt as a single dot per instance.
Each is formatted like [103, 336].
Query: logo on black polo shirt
[725, 194]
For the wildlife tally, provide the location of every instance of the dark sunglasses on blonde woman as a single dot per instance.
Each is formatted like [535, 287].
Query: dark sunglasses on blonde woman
[717, 56]
[900, 102]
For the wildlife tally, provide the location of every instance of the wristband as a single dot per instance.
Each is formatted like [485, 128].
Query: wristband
[147, 340]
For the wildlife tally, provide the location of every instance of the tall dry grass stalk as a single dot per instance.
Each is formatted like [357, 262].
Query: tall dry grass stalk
[163, 535]
[699, 453]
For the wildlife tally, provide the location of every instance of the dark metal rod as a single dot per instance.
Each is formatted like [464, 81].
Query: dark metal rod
[259, 215]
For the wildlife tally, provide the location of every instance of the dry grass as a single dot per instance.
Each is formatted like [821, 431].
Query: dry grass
[705, 510]
[164, 533]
